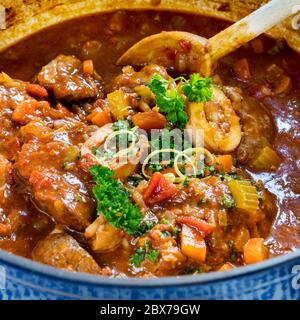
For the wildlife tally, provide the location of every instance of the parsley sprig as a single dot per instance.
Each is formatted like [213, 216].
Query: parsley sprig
[113, 201]
[172, 101]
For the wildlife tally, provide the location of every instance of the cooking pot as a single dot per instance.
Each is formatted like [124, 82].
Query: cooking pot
[21, 278]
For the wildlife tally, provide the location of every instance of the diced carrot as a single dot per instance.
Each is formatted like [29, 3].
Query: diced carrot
[197, 223]
[242, 69]
[36, 91]
[193, 244]
[149, 120]
[88, 67]
[25, 110]
[99, 117]
[224, 163]
[226, 266]
[63, 110]
[255, 251]
[159, 189]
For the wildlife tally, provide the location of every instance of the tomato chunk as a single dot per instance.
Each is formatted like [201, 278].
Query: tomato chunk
[200, 224]
[159, 189]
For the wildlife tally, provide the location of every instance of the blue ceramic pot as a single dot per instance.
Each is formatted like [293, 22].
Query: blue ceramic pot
[277, 278]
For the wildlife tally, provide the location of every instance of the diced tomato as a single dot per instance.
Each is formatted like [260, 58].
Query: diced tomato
[86, 162]
[159, 189]
[200, 224]
[149, 120]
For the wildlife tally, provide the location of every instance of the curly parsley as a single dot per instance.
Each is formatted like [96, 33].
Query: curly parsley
[172, 103]
[113, 201]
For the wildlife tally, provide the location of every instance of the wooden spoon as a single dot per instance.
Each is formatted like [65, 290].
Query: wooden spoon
[185, 51]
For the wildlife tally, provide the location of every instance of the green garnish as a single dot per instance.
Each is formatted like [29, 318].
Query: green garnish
[198, 89]
[113, 201]
[171, 102]
[226, 202]
[144, 253]
[152, 256]
[137, 258]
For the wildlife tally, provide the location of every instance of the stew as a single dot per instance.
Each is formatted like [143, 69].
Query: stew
[99, 175]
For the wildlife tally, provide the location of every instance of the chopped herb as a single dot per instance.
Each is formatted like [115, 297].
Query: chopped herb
[120, 212]
[174, 231]
[233, 252]
[164, 221]
[144, 253]
[152, 256]
[198, 89]
[186, 182]
[94, 150]
[134, 180]
[137, 258]
[226, 202]
[155, 167]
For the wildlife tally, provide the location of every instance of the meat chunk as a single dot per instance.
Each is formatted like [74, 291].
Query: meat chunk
[130, 78]
[60, 250]
[60, 193]
[65, 78]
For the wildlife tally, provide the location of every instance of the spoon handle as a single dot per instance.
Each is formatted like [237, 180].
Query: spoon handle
[250, 27]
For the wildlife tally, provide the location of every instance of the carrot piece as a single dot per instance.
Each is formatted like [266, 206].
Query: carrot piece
[36, 91]
[254, 251]
[159, 189]
[88, 67]
[226, 266]
[224, 163]
[149, 120]
[193, 244]
[242, 69]
[200, 224]
[99, 117]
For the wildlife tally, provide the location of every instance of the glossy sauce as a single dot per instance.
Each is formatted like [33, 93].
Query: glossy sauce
[102, 39]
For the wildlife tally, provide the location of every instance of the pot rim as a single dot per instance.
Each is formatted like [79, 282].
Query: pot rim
[89, 279]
